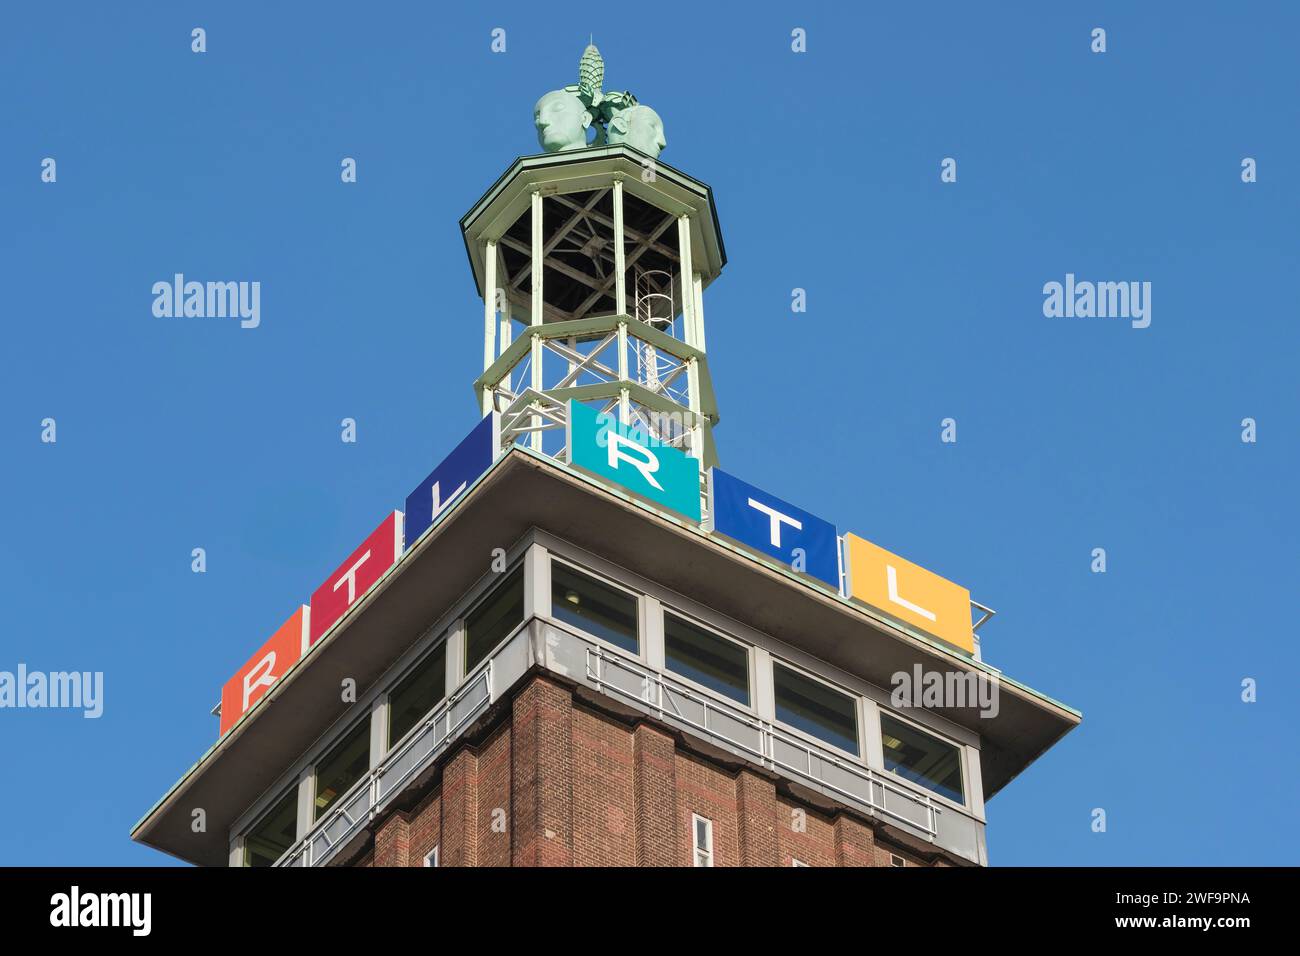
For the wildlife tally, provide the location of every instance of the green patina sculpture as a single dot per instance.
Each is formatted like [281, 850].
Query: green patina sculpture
[562, 117]
[638, 126]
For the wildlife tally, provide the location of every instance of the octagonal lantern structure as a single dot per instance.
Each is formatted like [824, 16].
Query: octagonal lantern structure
[592, 266]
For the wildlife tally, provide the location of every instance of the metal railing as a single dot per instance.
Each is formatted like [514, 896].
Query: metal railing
[610, 673]
[729, 724]
[414, 753]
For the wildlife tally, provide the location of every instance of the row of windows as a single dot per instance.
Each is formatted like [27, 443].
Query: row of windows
[610, 614]
[722, 665]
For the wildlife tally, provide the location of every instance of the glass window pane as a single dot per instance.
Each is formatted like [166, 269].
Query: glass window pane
[596, 608]
[923, 759]
[274, 834]
[417, 694]
[489, 623]
[342, 767]
[706, 658]
[815, 708]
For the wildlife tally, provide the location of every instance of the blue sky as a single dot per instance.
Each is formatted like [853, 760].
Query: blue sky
[924, 302]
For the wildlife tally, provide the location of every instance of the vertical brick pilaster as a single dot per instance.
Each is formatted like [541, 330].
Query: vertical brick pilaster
[494, 808]
[654, 788]
[855, 844]
[392, 842]
[425, 828]
[542, 777]
[756, 811]
[459, 833]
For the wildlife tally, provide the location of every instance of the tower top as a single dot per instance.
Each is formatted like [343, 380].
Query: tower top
[564, 116]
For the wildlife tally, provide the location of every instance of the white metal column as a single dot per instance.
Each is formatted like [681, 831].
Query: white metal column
[489, 317]
[507, 329]
[690, 320]
[699, 312]
[686, 281]
[620, 259]
[535, 438]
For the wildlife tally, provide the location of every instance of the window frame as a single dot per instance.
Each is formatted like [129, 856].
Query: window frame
[317, 814]
[750, 705]
[696, 849]
[291, 794]
[431, 858]
[390, 688]
[964, 804]
[462, 620]
[855, 699]
[638, 602]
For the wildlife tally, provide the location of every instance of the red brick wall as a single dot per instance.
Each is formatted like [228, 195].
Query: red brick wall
[558, 782]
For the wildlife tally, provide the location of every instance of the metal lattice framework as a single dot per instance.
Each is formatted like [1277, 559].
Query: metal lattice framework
[587, 297]
[586, 367]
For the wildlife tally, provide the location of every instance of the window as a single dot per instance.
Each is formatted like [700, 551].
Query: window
[417, 694]
[596, 608]
[343, 766]
[488, 624]
[916, 756]
[274, 834]
[706, 658]
[815, 708]
[794, 862]
[431, 858]
[702, 831]
[896, 860]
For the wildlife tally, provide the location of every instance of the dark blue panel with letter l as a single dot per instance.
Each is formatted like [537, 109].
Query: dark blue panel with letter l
[449, 480]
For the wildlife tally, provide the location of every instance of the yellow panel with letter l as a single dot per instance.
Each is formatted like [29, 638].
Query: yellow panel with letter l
[909, 592]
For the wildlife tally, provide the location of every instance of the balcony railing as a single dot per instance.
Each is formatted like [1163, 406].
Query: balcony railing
[571, 654]
[769, 745]
[413, 754]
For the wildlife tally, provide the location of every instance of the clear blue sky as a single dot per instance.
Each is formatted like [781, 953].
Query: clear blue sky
[924, 302]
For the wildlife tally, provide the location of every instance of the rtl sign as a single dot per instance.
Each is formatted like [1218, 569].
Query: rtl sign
[272, 660]
[909, 592]
[625, 455]
[774, 527]
[355, 576]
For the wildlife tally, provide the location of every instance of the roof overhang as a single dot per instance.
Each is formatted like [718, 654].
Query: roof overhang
[521, 491]
[592, 168]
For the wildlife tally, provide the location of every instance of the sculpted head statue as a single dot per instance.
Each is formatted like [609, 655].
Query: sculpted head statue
[640, 127]
[563, 116]
[562, 120]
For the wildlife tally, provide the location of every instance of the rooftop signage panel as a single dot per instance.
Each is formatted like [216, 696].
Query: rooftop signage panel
[664, 476]
[272, 660]
[448, 481]
[774, 527]
[626, 456]
[909, 592]
[355, 576]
